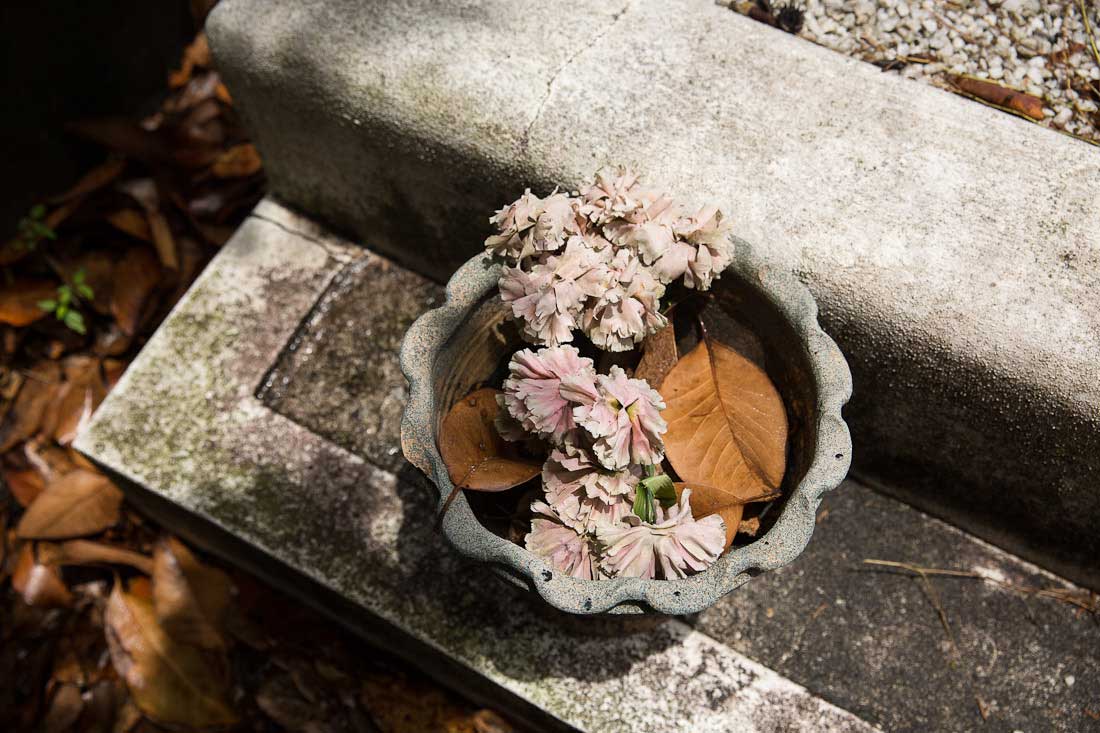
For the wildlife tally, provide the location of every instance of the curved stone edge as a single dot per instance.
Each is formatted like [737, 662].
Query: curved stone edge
[779, 546]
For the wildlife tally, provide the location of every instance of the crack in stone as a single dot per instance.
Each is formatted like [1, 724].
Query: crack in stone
[341, 257]
[557, 72]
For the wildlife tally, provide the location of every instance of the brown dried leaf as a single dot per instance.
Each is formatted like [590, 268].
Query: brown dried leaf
[93, 180]
[174, 684]
[86, 552]
[487, 721]
[402, 705]
[50, 460]
[164, 240]
[19, 301]
[197, 53]
[659, 356]
[237, 162]
[1001, 96]
[25, 486]
[124, 136]
[25, 415]
[727, 426]
[728, 503]
[75, 401]
[66, 704]
[191, 599]
[79, 503]
[39, 584]
[136, 278]
[476, 456]
[132, 222]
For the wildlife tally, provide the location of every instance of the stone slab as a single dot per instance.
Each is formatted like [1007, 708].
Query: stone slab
[954, 249]
[346, 528]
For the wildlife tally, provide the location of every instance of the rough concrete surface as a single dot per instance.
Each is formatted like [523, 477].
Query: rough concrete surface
[777, 655]
[954, 250]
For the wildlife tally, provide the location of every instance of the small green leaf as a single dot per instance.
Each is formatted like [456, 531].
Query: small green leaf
[64, 294]
[44, 231]
[643, 503]
[662, 489]
[85, 291]
[62, 310]
[75, 320]
[78, 276]
[38, 211]
[47, 305]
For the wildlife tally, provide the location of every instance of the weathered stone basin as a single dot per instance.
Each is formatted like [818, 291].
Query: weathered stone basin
[461, 345]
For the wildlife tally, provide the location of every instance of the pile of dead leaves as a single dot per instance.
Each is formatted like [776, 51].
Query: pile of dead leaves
[109, 623]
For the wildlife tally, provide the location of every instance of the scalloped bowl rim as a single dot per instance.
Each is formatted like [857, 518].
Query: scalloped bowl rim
[783, 542]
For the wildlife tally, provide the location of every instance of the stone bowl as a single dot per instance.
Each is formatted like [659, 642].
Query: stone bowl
[461, 345]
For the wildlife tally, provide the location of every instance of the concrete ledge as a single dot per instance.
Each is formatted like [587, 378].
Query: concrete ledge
[954, 249]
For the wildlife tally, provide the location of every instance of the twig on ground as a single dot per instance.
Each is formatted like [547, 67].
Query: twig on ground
[1083, 600]
[1088, 30]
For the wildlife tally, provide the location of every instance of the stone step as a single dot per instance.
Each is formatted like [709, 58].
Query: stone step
[954, 250]
[260, 422]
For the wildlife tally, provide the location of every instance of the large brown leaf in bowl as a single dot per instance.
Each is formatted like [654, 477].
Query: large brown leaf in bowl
[727, 427]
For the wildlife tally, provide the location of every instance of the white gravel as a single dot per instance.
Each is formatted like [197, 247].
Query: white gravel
[1037, 47]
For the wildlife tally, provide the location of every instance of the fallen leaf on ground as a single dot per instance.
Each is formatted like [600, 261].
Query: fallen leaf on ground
[174, 684]
[25, 485]
[39, 584]
[237, 162]
[131, 222]
[659, 356]
[25, 415]
[50, 460]
[101, 707]
[197, 53]
[93, 180]
[75, 400]
[727, 426]
[136, 278]
[191, 599]
[728, 503]
[86, 552]
[19, 301]
[487, 721]
[79, 503]
[1002, 96]
[476, 456]
[64, 709]
[399, 705]
[163, 240]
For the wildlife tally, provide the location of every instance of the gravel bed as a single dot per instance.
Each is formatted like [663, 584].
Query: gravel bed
[1041, 48]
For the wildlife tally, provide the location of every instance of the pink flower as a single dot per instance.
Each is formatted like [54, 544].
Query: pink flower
[583, 492]
[533, 389]
[513, 223]
[708, 233]
[548, 295]
[543, 318]
[530, 225]
[562, 546]
[615, 194]
[674, 546]
[625, 419]
[627, 311]
[557, 221]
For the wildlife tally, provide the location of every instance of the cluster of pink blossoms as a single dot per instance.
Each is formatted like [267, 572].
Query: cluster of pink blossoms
[605, 431]
[599, 260]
